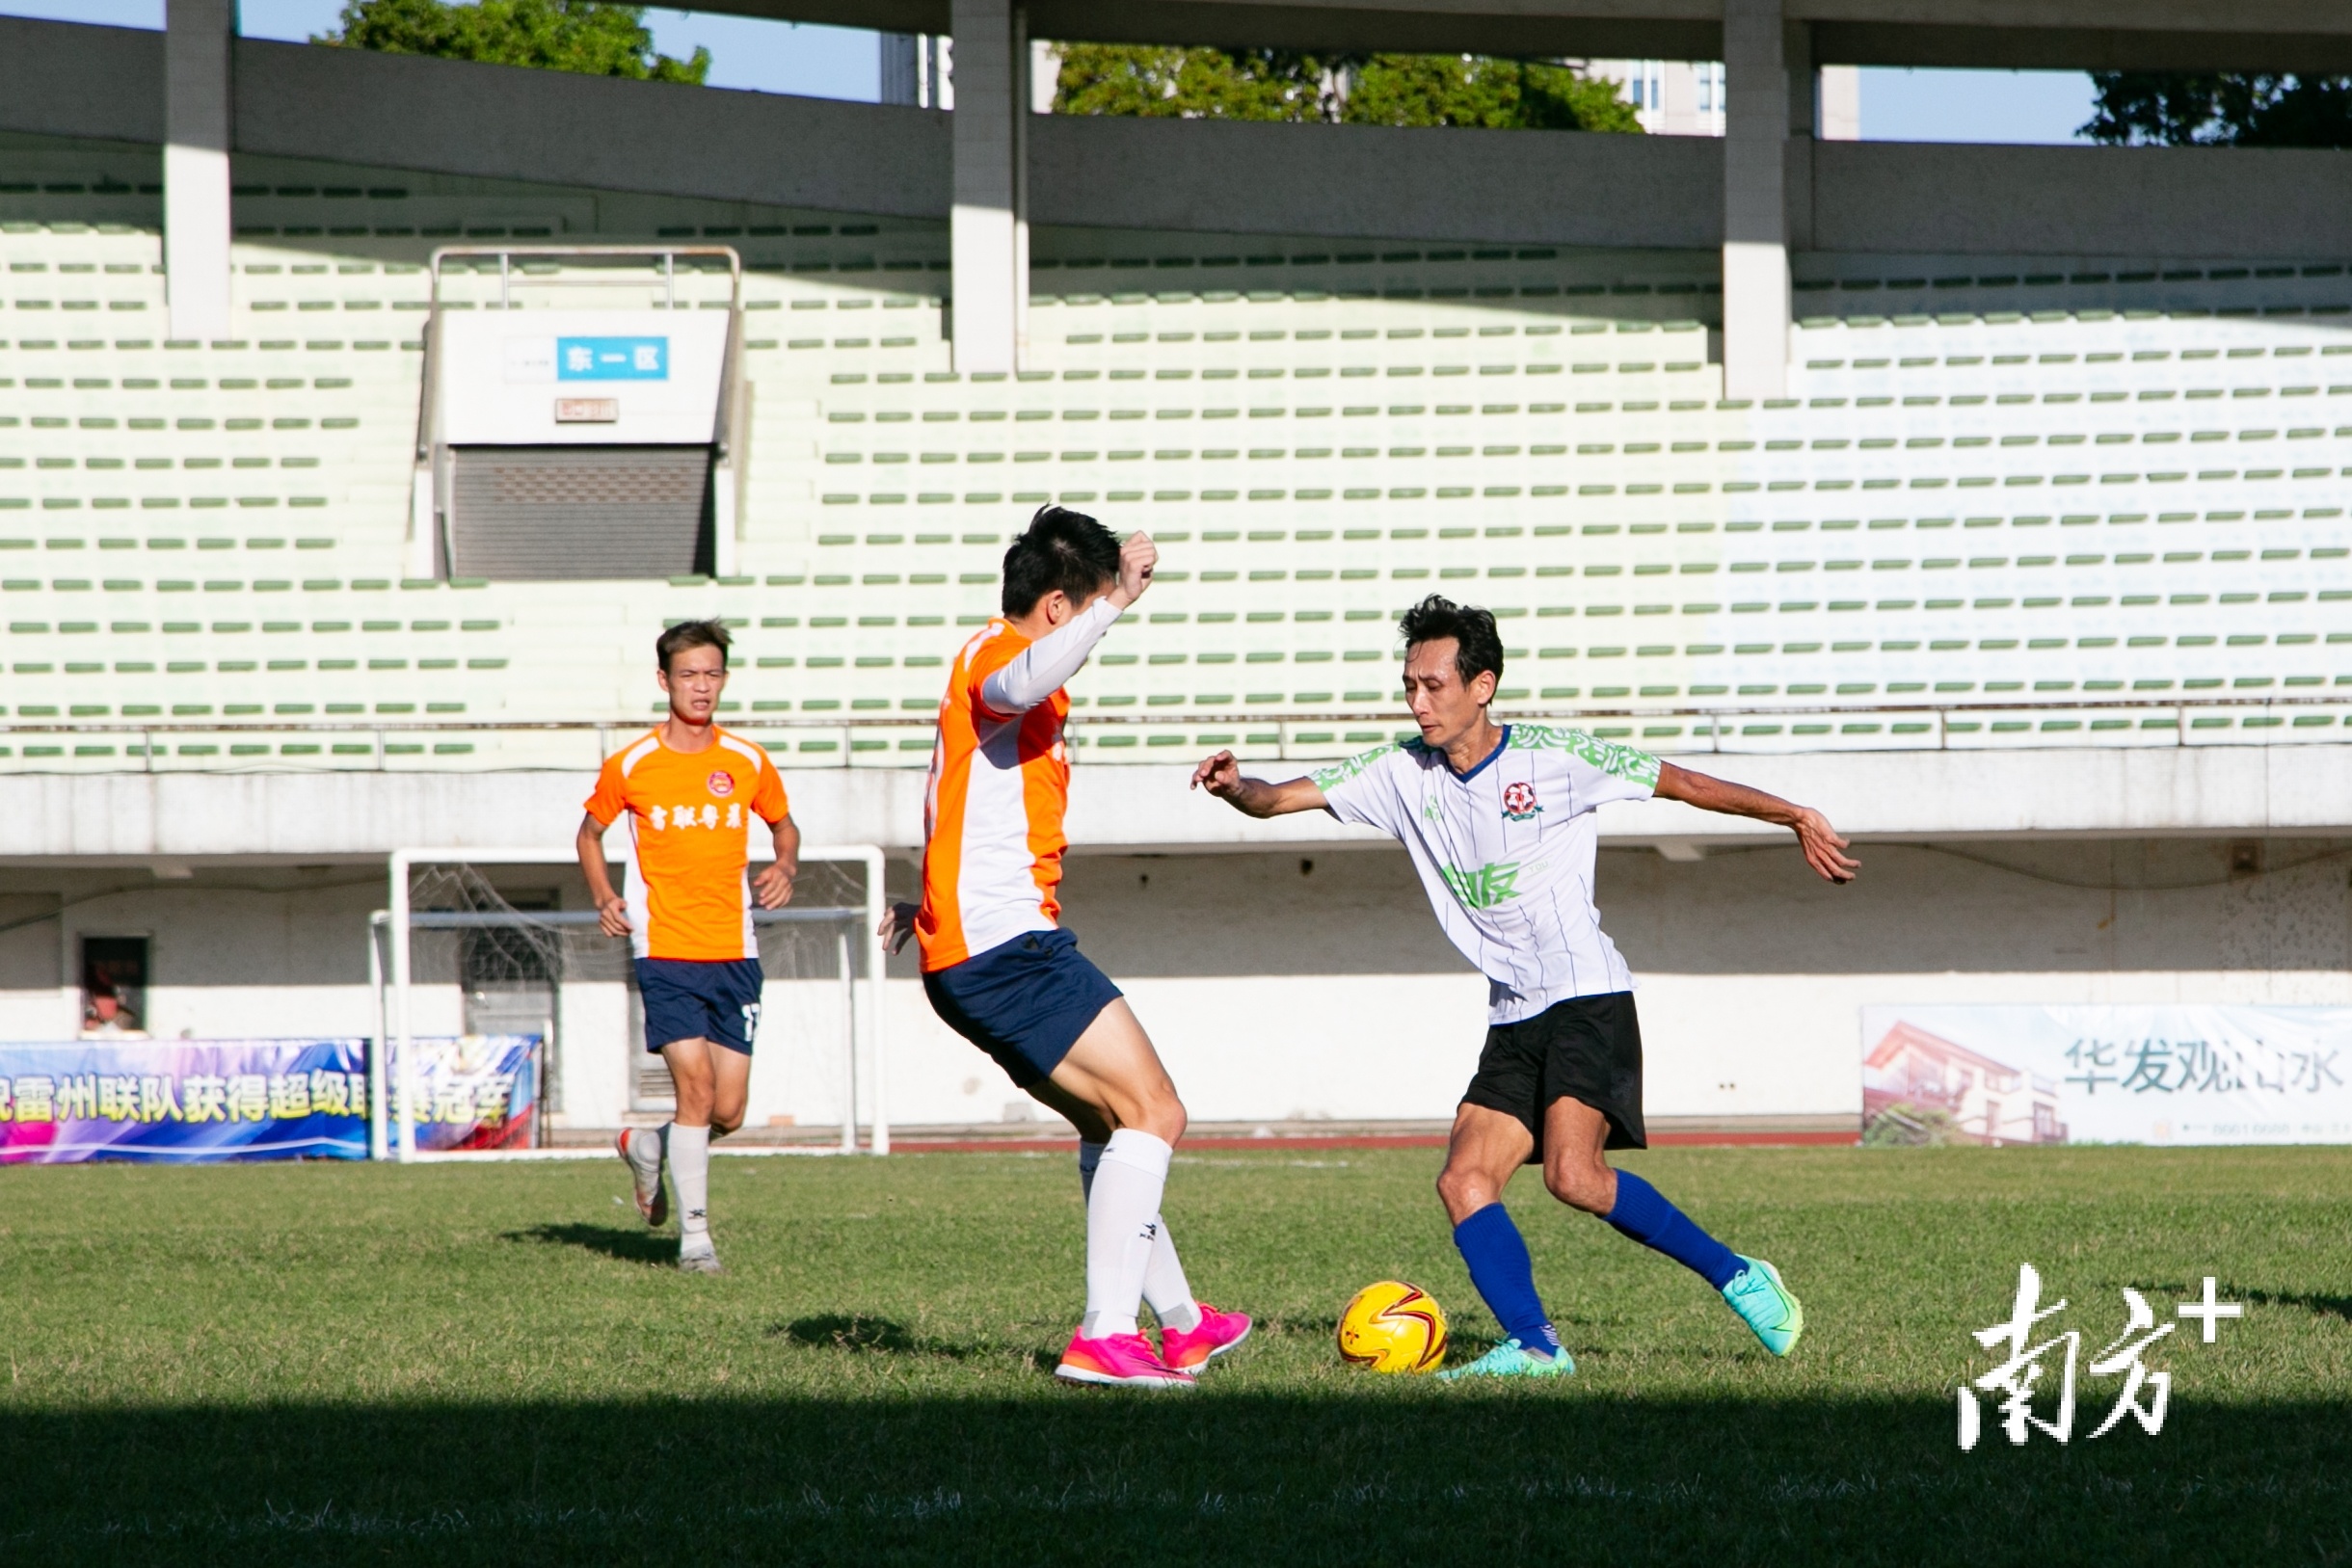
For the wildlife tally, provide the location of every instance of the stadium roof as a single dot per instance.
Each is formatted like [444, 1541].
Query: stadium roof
[2080, 35]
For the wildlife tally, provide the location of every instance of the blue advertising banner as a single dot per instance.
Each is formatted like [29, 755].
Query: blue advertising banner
[183, 1100]
[612, 359]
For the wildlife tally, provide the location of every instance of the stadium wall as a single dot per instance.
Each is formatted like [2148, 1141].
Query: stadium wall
[1316, 987]
[1291, 970]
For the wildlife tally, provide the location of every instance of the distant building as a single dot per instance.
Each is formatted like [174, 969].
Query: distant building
[1990, 1101]
[1685, 97]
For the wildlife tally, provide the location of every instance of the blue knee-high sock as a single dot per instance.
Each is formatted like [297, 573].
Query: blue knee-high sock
[1500, 1268]
[1643, 1213]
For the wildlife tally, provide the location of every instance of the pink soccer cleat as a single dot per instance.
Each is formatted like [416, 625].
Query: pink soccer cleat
[641, 1149]
[1188, 1350]
[1120, 1361]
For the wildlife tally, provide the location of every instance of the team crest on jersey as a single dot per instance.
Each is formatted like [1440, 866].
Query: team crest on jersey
[1519, 802]
[721, 783]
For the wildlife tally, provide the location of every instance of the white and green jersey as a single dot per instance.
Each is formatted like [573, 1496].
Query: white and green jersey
[1506, 852]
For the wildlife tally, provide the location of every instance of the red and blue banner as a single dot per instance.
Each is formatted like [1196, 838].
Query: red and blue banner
[188, 1101]
[476, 1091]
[183, 1100]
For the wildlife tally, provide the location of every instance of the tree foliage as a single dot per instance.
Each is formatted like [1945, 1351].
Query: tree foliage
[2246, 109]
[1362, 89]
[592, 38]
[1483, 93]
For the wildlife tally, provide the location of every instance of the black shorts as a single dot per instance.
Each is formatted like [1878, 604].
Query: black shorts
[1587, 1048]
[1024, 1001]
[715, 999]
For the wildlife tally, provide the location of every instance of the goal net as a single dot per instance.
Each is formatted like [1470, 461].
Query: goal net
[506, 1017]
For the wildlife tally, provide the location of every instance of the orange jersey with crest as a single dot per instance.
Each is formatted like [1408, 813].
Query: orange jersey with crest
[992, 816]
[689, 819]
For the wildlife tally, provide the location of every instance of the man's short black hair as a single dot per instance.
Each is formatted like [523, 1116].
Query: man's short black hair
[1062, 549]
[687, 634]
[1478, 648]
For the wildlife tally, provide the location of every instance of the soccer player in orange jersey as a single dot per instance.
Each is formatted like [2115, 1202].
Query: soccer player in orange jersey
[1001, 971]
[691, 790]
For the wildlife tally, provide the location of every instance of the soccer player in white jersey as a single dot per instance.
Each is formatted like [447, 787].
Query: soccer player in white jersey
[691, 791]
[1498, 820]
[1001, 973]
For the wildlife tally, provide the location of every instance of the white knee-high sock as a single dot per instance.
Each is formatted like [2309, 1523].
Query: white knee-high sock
[689, 1150]
[1122, 1222]
[1166, 1289]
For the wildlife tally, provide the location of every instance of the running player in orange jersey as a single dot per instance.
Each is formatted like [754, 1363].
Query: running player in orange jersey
[691, 790]
[1000, 970]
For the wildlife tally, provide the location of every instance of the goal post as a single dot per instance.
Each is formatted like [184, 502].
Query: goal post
[392, 972]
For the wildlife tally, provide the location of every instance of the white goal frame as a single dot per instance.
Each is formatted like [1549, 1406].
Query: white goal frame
[393, 1020]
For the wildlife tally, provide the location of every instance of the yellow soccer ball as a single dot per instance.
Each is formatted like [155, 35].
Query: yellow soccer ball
[1393, 1328]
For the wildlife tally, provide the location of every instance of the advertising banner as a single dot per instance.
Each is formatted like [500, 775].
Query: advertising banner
[477, 1091]
[183, 1100]
[1998, 1074]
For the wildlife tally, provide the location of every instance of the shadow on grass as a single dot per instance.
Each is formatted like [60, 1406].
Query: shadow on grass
[1389, 1469]
[855, 1332]
[632, 1245]
[2327, 1306]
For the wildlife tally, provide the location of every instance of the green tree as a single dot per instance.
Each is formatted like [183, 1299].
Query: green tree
[592, 38]
[1363, 89]
[2246, 109]
[1166, 83]
[1490, 93]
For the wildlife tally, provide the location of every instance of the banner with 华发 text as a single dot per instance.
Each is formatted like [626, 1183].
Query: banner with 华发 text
[183, 1100]
[1999, 1075]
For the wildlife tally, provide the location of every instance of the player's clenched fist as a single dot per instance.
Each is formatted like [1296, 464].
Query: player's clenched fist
[1220, 775]
[773, 886]
[612, 917]
[897, 925]
[1137, 558]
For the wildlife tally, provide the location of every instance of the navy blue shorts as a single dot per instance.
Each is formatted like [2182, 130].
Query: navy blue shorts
[1024, 1001]
[715, 999]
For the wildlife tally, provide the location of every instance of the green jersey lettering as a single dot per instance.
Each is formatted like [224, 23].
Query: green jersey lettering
[1484, 887]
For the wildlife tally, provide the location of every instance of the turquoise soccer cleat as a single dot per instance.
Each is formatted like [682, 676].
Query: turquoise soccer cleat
[1511, 1359]
[1764, 1304]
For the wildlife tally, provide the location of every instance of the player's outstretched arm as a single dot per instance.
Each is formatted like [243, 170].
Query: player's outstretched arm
[773, 886]
[1221, 776]
[612, 910]
[1824, 849]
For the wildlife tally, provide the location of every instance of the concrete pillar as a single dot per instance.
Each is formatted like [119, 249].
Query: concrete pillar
[1755, 209]
[1803, 113]
[988, 230]
[195, 223]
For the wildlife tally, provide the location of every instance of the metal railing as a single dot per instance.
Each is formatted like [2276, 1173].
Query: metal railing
[373, 744]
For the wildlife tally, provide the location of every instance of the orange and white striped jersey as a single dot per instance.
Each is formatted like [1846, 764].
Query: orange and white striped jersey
[999, 786]
[690, 818]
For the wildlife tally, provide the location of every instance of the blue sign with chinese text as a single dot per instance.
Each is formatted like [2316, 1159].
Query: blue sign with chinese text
[2110, 1073]
[178, 1100]
[612, 359]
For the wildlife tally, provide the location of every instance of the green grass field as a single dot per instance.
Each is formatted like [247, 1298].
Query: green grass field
[494, 1365]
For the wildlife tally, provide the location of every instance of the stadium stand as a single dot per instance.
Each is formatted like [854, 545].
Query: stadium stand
[2001, 507]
